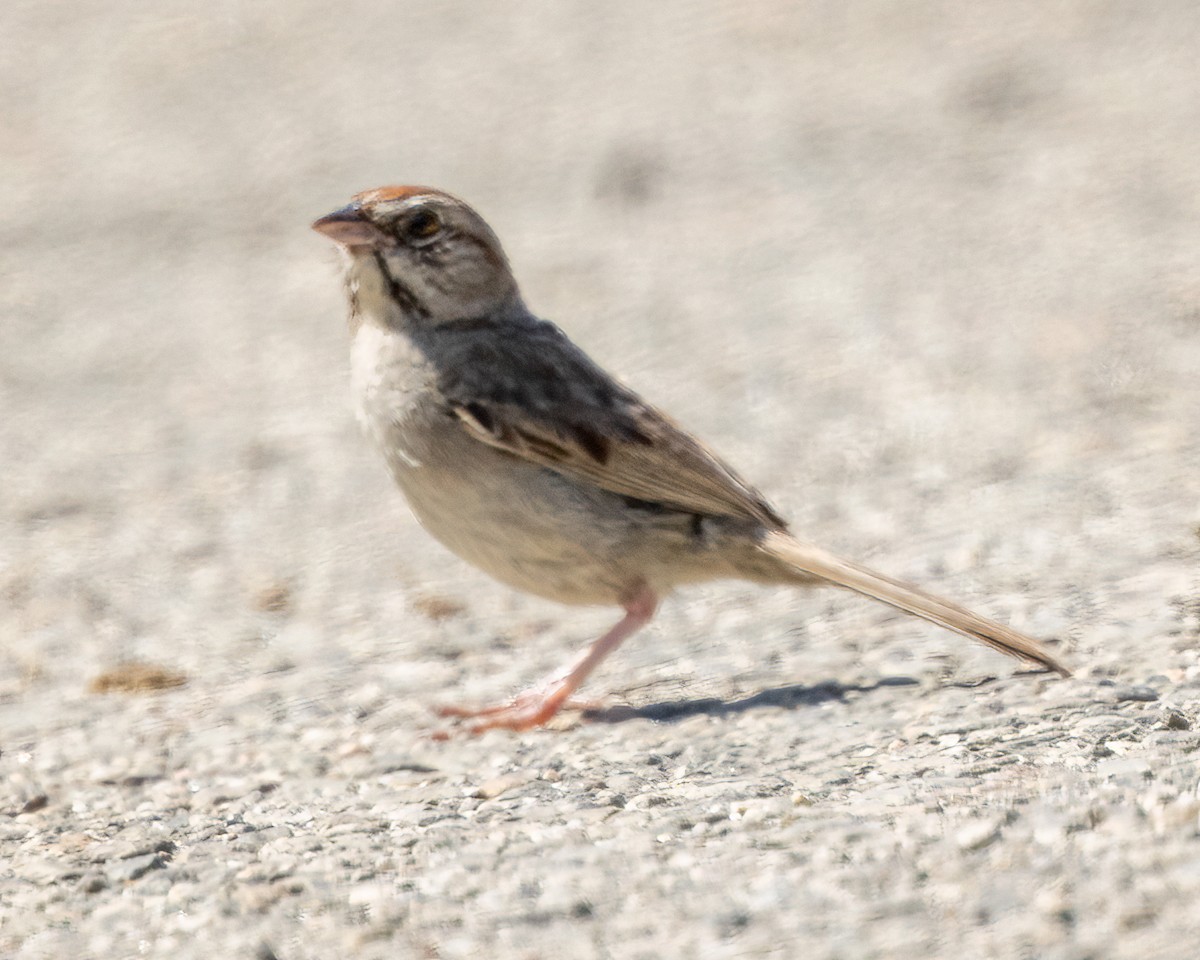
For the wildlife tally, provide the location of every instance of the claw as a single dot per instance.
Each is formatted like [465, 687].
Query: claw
[528, 709]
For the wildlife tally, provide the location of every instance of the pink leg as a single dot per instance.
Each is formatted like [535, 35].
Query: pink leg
[533, 707]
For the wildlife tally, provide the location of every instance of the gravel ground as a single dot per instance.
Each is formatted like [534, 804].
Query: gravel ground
[926, 272]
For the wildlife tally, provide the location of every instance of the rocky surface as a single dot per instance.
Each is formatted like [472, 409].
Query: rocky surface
[927, 274]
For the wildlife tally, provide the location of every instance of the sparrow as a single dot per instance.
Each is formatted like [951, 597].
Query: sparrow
[526, 458]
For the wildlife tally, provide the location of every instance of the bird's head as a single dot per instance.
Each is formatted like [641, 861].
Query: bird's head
[418, 255]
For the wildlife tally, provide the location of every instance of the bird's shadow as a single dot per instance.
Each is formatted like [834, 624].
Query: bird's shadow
[789, 698]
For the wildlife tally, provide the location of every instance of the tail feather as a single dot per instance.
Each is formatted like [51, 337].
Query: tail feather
[810, 561]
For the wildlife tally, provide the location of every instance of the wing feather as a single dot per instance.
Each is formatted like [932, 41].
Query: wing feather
[534, 394]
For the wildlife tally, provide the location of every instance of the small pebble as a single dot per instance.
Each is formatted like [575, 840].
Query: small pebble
[1137, 694]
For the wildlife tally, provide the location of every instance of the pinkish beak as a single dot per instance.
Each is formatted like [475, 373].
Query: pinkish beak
[349, 227]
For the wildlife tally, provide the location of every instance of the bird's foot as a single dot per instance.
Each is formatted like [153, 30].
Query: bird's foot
[528, 709]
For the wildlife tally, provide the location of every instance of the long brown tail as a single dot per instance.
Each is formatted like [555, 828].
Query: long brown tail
[810, 561]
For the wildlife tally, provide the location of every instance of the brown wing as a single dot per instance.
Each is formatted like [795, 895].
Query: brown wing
[534, 394]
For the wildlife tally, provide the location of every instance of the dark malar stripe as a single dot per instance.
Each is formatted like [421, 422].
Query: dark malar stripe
[400, 293]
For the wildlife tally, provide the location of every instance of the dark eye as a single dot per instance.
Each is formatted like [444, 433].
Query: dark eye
[422, 225]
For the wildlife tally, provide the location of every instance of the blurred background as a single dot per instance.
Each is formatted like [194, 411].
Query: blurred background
[926, 272]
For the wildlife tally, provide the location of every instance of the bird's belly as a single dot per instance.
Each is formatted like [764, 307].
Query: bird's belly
[526, 527]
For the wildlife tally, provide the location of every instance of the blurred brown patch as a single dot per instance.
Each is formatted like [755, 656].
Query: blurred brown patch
[35, 803]
[274, 598]
[135, 677]
[438, 608]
